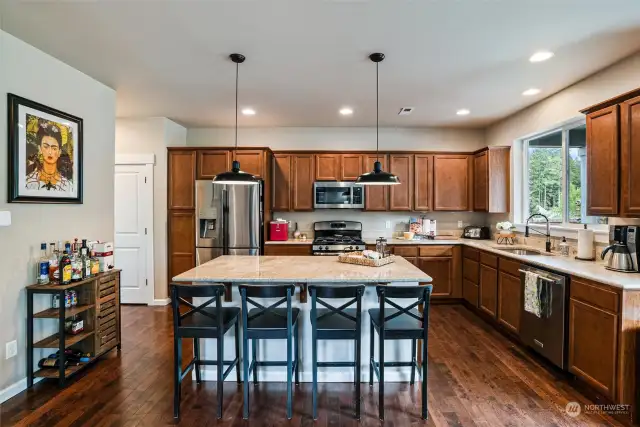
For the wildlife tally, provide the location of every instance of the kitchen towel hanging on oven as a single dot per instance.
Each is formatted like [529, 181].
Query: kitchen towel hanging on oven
[537, 295]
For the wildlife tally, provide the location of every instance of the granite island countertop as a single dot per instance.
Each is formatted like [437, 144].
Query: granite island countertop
[299, 269]
[569, 265]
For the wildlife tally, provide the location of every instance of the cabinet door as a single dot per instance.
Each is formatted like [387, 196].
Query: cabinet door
[423, 182]
[327, 167]
[251, 161]
[470, 292]
[630, 157]
[509, 301]
[481, 182]
[488, 289]
[287, 250]
[401, 196]
[593, 338]
[350, 167]
[376, 197]
[281, 182]
[181, 242]
[440, 270]
[602, 162]
[412, 259]
[213, 162]
[181, 179]
[451, 178]
[302, 179]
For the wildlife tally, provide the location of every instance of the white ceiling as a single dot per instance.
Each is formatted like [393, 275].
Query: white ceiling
[306, 59]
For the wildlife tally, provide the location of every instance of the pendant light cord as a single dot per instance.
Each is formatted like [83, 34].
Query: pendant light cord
[377, 115]
[237, 68]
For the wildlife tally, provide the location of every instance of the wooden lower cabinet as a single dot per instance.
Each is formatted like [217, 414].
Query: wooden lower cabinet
[488, 290]
[441, 271]
[509, 301]
[470, 292]
[181, 241]
[287, 249]
[593, 346]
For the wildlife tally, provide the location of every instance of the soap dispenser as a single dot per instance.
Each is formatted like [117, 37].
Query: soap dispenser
[564, 247]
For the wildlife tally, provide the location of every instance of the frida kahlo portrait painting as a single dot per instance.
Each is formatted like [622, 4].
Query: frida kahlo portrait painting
[45, 154]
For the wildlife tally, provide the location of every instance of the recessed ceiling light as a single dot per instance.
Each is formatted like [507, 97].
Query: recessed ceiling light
[346, 111]
[463, 112]
[248, 111]
[543, 55]
[531, 92]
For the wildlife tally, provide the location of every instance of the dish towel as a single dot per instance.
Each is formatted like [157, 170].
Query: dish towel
[532, 302]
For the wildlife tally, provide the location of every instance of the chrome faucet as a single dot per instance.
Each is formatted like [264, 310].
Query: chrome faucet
[526, 231]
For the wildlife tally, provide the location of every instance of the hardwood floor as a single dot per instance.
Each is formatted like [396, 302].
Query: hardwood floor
[476, 378]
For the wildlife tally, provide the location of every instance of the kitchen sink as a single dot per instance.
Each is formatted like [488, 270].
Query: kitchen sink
[522, 251]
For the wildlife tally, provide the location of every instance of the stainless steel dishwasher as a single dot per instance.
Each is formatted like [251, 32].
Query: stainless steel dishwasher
[546, 334]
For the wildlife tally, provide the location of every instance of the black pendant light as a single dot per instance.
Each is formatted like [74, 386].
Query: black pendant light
[235, 176]
[378, 176]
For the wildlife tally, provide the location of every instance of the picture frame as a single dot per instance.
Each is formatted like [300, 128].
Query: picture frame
[45, 153]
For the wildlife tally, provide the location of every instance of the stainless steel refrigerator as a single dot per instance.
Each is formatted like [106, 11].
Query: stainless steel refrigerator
[229, 220]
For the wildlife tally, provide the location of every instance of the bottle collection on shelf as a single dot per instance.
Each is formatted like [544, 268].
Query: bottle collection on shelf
[72, 357]
[61, 267]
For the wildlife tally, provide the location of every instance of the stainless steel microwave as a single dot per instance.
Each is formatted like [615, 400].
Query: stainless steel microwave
[338, 195]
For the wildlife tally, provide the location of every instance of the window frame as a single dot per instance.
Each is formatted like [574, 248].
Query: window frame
[565, 225]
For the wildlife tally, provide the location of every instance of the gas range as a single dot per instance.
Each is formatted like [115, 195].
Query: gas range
[337, 237]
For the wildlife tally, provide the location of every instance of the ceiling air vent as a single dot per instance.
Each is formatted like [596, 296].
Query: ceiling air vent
[405, 111]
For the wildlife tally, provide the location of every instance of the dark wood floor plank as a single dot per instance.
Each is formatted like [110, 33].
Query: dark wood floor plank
[477, 377]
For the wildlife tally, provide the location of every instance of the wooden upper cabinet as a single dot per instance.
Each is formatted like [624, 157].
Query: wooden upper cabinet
[302, 181]
[282, 190]
[423, 182]
[451, 182]
[602, 161]
[327, 167]
[350, 166]
[213, 162]
[481, 181]
[401, 196]
[376, 197]
[181, 179]
[491, 177]
[251, 161]
[630, 157]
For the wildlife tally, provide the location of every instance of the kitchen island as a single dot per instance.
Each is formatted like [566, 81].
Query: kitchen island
[302, 271]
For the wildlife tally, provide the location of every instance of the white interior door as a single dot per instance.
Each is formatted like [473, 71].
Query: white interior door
[133, 227]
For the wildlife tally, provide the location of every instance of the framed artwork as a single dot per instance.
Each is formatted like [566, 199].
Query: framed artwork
[45, 153]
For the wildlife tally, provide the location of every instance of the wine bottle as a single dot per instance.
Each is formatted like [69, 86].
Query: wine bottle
[65, 266]
[49, 362]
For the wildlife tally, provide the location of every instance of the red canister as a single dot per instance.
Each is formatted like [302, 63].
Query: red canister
[278, 230]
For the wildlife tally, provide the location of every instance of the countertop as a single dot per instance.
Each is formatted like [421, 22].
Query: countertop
[299, 269]
[585, 269]
[289, 242]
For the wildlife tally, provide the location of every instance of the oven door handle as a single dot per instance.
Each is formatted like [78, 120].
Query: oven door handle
[546, 279]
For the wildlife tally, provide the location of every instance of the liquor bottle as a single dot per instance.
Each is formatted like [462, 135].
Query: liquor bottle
[86, 261]
[43, 265]
[54, 258]
[95, 264]
[76, 264]
[65, 266]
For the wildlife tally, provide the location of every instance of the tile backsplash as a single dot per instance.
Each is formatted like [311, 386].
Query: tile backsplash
[374, 224]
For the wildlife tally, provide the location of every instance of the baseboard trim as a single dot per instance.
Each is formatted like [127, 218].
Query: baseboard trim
[161, 301]
[15, 388]
[337, 376]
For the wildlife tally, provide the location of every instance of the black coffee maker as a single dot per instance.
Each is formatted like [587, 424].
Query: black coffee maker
[624, 246]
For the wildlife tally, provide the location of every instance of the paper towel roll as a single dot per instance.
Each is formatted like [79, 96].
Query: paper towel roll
[585, 244]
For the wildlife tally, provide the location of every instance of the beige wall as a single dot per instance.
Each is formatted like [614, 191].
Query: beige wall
[30, 73]
[152, 136]
[342, 138]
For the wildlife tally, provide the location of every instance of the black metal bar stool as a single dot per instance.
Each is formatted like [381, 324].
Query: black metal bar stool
[269, 323]
[202, 322]
[400, 323]
[336, 323]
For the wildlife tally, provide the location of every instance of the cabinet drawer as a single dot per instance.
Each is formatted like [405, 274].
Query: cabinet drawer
[436, 251]
[470, 270]
[510, 267]
[489, 259]
[405, 250]
[471, 253]
[595, 294]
